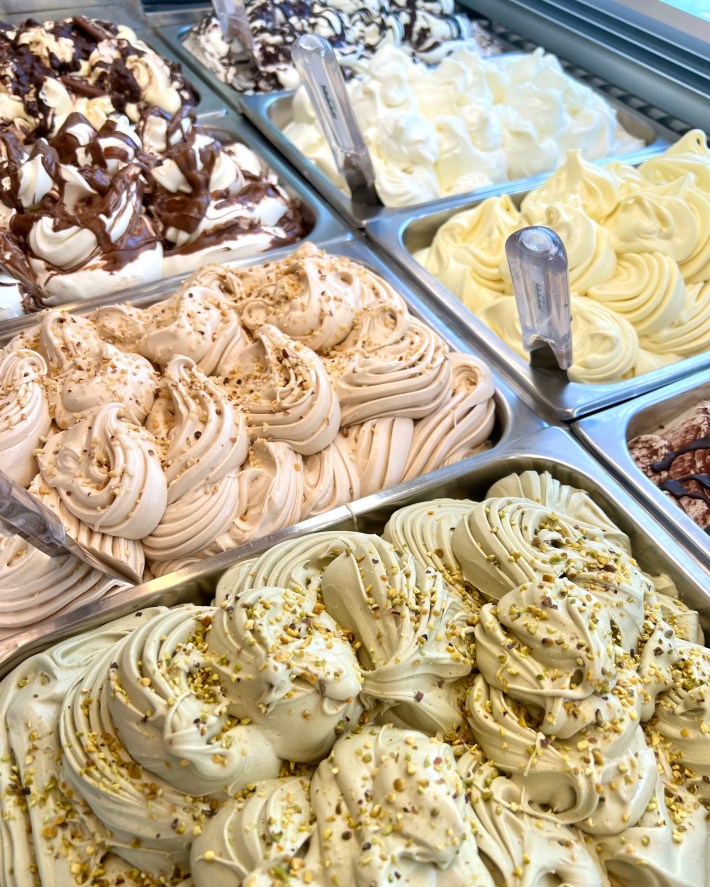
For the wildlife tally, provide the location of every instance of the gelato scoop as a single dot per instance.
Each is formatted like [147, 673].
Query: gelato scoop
[465, 123]
[639, 259]
[343, 714]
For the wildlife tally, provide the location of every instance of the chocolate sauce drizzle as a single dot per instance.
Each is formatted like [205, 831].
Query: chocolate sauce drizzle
[676, 485]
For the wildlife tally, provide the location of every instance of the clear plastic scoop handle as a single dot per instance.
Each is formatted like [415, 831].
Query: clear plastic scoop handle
[320, 74]
[30, 519]
[233, 21]
[539, 268]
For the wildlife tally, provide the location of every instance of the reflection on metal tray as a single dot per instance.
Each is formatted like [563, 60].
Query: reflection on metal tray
[400, 237]
[325, 227]
[514, 421]
[607, 435]
[550, 449]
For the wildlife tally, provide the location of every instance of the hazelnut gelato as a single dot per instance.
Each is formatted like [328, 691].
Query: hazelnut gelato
[247, 401]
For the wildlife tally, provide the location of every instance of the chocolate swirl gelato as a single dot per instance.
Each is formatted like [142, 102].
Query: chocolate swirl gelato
[677, 459]
[428, 29]
[91, 210]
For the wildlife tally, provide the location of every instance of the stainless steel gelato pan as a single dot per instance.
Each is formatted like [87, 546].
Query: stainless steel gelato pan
[513, 420]
[401, 237]
[607, 435]
[272, 112]
[549, 449]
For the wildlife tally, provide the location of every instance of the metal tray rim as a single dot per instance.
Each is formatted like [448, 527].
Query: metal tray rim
[553, 448]
[606, 435]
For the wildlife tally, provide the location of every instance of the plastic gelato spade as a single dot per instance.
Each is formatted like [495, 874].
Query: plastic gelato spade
[538, 266]
[29, 518]
[233, 21]
[320, 73]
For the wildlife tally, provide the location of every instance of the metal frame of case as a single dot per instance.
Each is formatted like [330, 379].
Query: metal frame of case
[558, 399]
[549, 449]
[606, 436]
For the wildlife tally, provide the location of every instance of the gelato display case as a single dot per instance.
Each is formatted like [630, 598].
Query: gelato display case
[349, 591]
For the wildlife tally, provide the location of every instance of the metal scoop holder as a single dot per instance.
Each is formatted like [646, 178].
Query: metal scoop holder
[27, 517]
[538, 266]
[320, 73]
[234, 23]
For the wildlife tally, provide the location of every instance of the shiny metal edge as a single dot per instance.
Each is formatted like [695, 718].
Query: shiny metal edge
[272, 111]
[327, 227]
[606, 436]
[399, 237]
[549, 449]
[514, 422]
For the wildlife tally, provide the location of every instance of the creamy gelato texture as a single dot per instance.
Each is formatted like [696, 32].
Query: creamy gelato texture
[429, 29]
[91, 209]
[245, 402]
[343, 713]
[638, 245]
[464, 124]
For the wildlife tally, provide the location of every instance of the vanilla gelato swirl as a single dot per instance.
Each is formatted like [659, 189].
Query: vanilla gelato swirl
[107, 473]
[593, 188]
[605, 344]
[24, 413]
[286, 393]
[647, 289]
[354, 824]
[638, 242]
[464, 123]
[655, 219]
[689, 154]
[468, 252]
[36, 587]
